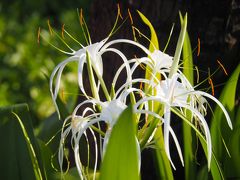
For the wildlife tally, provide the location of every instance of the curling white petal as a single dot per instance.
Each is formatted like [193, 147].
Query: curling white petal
[123, 57]
[206, 131]
[80, 75]
[128, 42]
[56, 69]
[96, 153]
[78, 161]
[218, 103]
[177, 145]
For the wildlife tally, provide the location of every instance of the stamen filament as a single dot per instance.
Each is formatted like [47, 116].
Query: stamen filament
[224, 70]
[198, 47]
[119, 11]
[130, 17]
[211, 83]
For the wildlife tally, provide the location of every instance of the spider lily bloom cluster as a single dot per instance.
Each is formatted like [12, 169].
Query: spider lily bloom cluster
[171, 93]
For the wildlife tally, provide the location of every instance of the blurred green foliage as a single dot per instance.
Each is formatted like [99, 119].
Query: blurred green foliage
[23, 62]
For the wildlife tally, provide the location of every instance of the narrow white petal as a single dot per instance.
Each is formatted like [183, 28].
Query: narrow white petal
[219, 104]
[206, 131]
[77, 160]
[80, 75]
[96, 154]
[54, 96]
[171, 131]
[58, 80]
[177, 145]
[125, 61]
[128, 42]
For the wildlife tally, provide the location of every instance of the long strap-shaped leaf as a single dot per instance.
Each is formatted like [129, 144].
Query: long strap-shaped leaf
[19, 154]
[178, 51]
[163, 164]
[122, 157]
[31, 150]
[225, 140]
[189, 137]
[154, 40]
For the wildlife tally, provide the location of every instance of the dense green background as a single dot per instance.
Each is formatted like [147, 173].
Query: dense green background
[23, 62]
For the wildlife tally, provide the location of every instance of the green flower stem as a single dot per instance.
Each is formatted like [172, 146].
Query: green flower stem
[112, 93]
[177, 54]
[98, 130]
[91, 77]
[103, 85]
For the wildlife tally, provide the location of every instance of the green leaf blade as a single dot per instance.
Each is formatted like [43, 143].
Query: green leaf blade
[219, 127]
[179, 47]
[221, 133]
[154, 39]
[19, 155]
[121, 160]
[188, 134]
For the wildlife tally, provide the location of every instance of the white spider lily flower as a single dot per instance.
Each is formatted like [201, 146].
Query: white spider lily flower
[160, 61]
[110, 112]
[77, 123]
[95, 52]
[177, 92]
[157, 61]
[80, 57]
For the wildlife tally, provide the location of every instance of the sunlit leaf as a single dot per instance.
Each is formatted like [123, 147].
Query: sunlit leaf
[216, 170]
[153, 45]
[219, 126]
[121, 159]
[154, 40]
[221, 133]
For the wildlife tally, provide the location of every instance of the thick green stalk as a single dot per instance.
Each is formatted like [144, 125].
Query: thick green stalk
[104, 88]
[91, 77]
